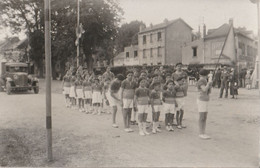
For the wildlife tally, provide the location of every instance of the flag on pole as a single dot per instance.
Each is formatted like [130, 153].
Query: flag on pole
[79, 32]
[229, 49]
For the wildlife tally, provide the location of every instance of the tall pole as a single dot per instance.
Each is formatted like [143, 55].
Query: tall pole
[47, 19]
[258, 48]
[78, 33]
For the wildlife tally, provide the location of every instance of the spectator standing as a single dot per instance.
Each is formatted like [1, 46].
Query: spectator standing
[232, 82]
[248, 80]
[224, 82]
[217, 78]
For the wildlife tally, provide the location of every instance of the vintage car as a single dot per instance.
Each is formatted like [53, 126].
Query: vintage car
[14, 76]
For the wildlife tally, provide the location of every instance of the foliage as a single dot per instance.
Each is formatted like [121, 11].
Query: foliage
[128, 35]
[100, 20]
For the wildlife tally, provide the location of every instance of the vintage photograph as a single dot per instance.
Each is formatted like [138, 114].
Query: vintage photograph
[130, 83]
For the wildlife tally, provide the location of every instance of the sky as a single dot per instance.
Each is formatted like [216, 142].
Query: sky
[212, 13]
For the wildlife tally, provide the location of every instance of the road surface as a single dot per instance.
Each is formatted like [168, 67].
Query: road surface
[84, 140]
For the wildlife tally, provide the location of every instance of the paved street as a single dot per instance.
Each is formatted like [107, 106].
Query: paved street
[86, 140]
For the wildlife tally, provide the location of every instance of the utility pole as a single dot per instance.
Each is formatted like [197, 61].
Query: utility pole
[258, 45]
[78, 31]
[47, 20]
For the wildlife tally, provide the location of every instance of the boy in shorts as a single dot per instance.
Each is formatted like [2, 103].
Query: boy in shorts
[204, 89]
[181, 93]
[156, 105]
[113, 96]
[142, 101]
[128, 87]
[169, 103]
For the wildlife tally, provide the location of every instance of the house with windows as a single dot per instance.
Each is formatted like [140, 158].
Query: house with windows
[210, 50]
[127, 58]
[161, 44]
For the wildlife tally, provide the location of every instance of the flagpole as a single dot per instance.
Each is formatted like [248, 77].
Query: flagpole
[258, 48]
[47, 20]
[78, 33]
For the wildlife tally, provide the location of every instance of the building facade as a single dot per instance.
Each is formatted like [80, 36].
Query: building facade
[207, 50]
[161, 44]
[127, 58]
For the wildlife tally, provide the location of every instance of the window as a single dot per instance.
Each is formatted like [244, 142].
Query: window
[135, 54]
[127, 54]
[194, 51]
[159, 63]
[151, 53]
[144, 54]
[242, 47]
[159, 52]
[144, 39]
[151, 38]
[159, 36]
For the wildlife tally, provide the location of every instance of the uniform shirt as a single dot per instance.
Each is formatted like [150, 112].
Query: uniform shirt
[176, 75]
[66, 80]
[78, 84]
[72, 81]
[155, 97]
[203, 95]
[129, 89]
[87, 86]
[115, 86]
[181, 91]
[97, 87]
[142, 96]
[169, 96]
[106, 86]
[108, 75]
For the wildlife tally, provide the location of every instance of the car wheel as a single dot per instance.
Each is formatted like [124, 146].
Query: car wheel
[8, 88]
[36, 90]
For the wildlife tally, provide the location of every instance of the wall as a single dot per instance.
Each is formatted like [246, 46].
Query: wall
[176, 35]
[187, 52]
[246, 58]
[132, 59]
[152, 58]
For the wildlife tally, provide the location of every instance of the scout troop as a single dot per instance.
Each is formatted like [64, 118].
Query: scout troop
[135, 95]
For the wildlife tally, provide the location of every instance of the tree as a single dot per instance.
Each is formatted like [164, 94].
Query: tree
[128, 35]
[26, 15]
[100, 20]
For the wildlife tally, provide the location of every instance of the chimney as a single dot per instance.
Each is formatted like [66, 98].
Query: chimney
[230, 21]
[165, 20]
[204, 31]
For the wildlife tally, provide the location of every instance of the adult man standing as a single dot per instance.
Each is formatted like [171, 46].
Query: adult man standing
[217, 78]
[224, 82]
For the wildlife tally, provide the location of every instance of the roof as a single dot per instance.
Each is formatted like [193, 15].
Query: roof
[164, 25]
[223, 30]
[219, 32]
[16, 64]
[120, 56]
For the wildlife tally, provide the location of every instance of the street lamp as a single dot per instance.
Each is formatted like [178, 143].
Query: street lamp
[258, 44]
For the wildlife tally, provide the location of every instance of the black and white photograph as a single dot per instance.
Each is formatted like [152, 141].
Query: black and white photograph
[130, 83]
